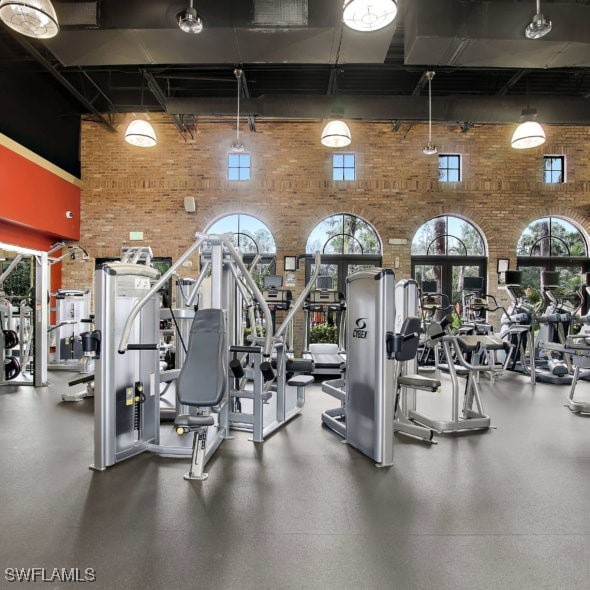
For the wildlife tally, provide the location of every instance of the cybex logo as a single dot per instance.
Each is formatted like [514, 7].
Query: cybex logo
[360, 330]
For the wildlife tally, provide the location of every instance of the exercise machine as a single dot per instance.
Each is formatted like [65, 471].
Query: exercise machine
[127, 399]
[325, 307]
[409, 380]
[553, 365]
[467, 412]
[72, 316]
[23, 323]
[375, 350]
[517, 328]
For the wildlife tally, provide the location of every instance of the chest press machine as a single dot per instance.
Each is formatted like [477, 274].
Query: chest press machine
[222, 384]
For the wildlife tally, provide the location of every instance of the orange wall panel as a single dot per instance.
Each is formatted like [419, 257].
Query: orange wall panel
[34, 197]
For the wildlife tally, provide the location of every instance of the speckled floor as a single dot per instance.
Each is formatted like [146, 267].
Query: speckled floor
[505, 508]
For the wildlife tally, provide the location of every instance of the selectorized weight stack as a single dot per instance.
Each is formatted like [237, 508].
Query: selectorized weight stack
[126, 410]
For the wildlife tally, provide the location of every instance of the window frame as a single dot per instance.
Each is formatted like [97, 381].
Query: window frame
[559, 157]
[343, 167]
[459, 168]
[239, 167]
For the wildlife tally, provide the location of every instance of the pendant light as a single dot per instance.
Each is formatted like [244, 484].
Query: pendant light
[237, 146]
[529, 133]
[336, 134]
[369, 15]
[141, 133]
[430, 149]
[33, 18]
[539, 26]
[189, 22]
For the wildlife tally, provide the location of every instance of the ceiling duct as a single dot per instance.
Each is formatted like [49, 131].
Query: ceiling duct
[77, 14]
[280, 13]
[490, 34]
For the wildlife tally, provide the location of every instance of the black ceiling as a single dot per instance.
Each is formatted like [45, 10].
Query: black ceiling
[119, 56]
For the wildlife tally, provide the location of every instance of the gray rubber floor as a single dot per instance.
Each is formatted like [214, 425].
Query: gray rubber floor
[506, 508]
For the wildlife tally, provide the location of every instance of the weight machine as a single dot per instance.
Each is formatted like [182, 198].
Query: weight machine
[377, 345]
[72, 312]
[23, 324]
[222, 384]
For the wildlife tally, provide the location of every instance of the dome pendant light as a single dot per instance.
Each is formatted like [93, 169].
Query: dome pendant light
[430, 149]
[237, 146]
[369, 15]
[33, 18]
[336, 134]
[529, 133]
[189, 22]
[141, 134]
[539, 26]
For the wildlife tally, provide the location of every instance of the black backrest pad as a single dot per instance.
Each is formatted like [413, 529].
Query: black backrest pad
[411, 326]
[202, 378]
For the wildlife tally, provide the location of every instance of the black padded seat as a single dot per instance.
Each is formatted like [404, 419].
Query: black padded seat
[192, 422]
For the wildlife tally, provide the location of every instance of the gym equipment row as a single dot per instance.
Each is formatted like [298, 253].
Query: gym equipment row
[378, 392]
[224, 382]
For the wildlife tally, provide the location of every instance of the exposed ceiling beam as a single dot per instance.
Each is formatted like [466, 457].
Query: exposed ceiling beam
[47, 65]
[160, 96]
[450, 109]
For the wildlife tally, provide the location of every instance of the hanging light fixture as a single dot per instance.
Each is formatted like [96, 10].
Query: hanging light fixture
[539, 26]
[188, 21]
[33, 18]
[529, 133]
[369, 15]
[237, 146]
[336, 134]
[430, 149]
[141, 133]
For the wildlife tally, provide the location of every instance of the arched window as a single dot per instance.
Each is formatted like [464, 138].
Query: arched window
[552, 243]
[250, 235]
[343, 234]
[347, 243]
[446, 249]
[448, 236]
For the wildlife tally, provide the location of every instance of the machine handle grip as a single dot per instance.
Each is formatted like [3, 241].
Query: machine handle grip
[140, 347]
[253, 349]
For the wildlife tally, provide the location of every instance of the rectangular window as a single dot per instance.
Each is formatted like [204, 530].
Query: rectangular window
[449, 168]
[553, 169]
[343, 167]
[238, 167]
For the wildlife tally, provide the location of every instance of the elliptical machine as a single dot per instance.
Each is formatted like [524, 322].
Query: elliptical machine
[553, 366]
[517, 328]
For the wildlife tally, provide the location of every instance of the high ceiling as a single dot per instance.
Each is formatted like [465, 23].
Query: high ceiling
[300, 62]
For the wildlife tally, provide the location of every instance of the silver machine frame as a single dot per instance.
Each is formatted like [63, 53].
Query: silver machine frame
[407, 295]
[72, 308]
[35, 346]
[464, 417]
[127, 384]
[367, 393]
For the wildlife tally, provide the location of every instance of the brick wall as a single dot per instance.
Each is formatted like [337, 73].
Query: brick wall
[133, 189]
